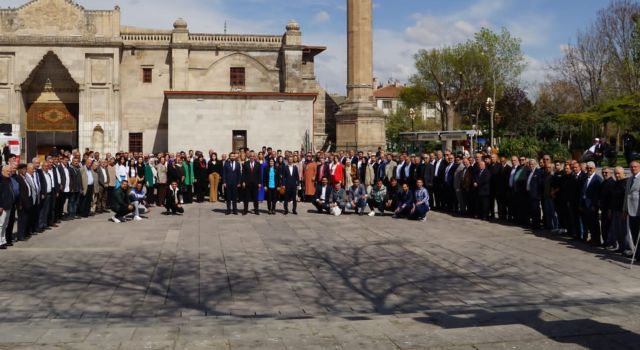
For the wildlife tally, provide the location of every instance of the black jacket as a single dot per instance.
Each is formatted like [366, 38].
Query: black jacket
[278, 176]
[251, 176]
[6, 194]
[484, 183]
[120, 200]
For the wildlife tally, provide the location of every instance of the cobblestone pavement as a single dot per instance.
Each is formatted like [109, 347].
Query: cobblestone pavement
[209, 281]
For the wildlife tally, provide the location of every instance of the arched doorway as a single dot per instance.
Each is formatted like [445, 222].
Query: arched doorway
[51, 100]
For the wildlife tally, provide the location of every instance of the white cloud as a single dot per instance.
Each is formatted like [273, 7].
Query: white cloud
[321, 17]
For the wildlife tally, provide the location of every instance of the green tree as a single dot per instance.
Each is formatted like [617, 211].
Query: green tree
[468, 72]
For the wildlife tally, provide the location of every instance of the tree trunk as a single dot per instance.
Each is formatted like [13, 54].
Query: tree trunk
[451, 114]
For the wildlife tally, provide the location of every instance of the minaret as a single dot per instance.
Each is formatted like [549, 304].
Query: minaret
[359, 124]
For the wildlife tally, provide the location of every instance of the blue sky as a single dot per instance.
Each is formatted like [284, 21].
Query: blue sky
[401, 27]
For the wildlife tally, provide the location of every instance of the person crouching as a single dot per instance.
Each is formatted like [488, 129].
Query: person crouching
[172, 201]
[121, 204]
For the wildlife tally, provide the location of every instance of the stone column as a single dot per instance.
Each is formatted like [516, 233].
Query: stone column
[360, 124]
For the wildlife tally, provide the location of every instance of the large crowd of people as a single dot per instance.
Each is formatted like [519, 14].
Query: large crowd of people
[598, 206]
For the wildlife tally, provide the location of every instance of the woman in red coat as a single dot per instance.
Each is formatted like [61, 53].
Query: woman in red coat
[337, 171]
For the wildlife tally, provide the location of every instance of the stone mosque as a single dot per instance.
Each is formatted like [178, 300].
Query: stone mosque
[77, 78]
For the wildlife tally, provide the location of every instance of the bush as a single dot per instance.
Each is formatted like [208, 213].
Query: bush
[526, 146]
[557, 151]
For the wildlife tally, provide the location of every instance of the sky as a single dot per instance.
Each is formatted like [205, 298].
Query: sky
[401, 27]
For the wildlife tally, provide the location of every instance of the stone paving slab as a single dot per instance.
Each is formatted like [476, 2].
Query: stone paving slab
[209, 281]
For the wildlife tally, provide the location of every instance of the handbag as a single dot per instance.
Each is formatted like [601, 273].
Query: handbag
[281, 190]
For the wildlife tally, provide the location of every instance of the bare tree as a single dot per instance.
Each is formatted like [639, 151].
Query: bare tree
[617, 23]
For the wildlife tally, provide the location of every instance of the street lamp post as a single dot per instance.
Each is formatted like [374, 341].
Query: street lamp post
[491, 108]
[412, 115]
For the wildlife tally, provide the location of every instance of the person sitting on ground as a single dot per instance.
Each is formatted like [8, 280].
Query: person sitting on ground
[173, 200]
[377, 198]
[405, 204]
[322, 197]
[138, 198]
[421, 206]
[338, 199]
[357, 197]
[121, 205]
[393, 195]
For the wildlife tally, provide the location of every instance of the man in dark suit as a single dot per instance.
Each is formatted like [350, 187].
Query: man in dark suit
[438, 180]
[290, 181]
[482, 186]
[231, 183]
[502, 189]
[590, 204]
[322, 198]
[535, 186]
[574, 191]
[450, 201]
[251, 182]
[323, 170]
[428, 174]
[25, 203]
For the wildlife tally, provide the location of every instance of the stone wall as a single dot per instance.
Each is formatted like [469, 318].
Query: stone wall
[280, 121]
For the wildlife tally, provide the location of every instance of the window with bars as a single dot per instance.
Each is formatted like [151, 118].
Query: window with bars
[147, 75]
[135, 142]
[237, 77]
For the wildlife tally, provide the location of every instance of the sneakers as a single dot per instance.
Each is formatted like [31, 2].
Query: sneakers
[373, 213]
[137, 218]
[116, 220]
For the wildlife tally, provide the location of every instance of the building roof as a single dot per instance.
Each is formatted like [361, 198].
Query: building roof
[389, 91]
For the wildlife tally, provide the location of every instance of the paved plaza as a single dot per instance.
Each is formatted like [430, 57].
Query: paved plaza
[209, 281]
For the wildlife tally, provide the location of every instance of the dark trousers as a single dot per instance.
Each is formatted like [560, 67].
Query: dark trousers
[45, 208]
[373, 205]
[605, 223]
[503, 207]
[10, 224]
[109, 193]
[174, 209]
[122, 212]
[251, 195]
[85, 202]
[162, 194]
[53, 210]
[322, 206]
[534, 213]
[272, 198]
[72, 206]
[430, 190]
[201, 189]
[290, 195]
[437, 191]
[562, 209]
[24, 217]
[575, 224]
[591, 223]
[231, 194]
[483, 207]
[188, 194]
[634, 227]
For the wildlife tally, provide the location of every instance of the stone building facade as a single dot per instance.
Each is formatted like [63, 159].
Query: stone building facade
[77, 78]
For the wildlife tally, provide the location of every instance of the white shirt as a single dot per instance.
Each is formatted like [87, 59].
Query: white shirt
[66, 176]
[49, 179]
[104, 173]
[592, 149]
[438, 166]
[512, 176]
[323, 194]
[529, 179]
[291, 170]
